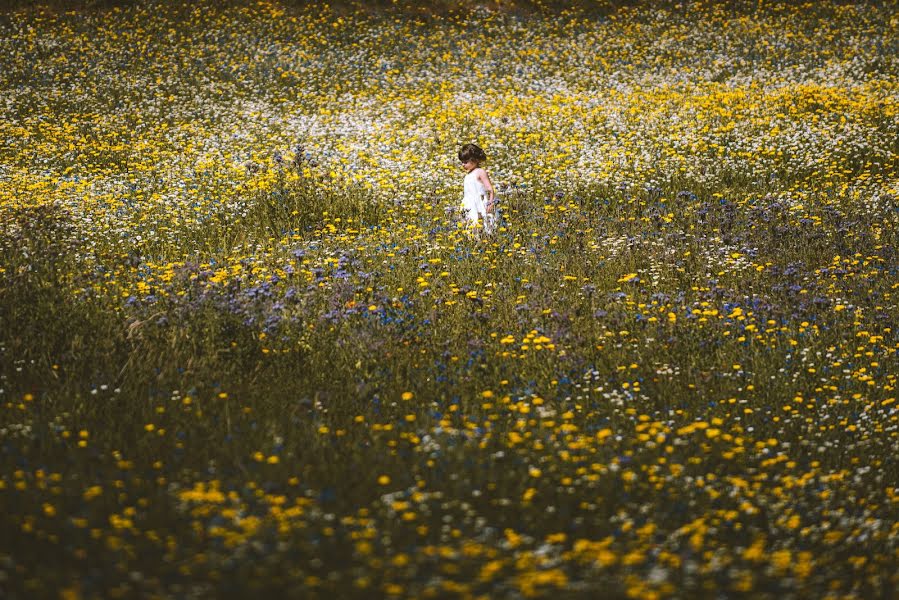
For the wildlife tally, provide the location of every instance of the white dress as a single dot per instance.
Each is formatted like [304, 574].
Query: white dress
[474, 201]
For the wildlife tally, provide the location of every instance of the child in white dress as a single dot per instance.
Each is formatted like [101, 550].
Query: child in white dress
[478, 198]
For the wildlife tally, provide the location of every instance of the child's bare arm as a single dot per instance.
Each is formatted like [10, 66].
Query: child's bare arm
[484, 178]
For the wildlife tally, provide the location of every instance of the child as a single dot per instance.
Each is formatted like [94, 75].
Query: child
[478, 198]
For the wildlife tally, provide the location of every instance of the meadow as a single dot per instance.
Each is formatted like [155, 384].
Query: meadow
[246, 346]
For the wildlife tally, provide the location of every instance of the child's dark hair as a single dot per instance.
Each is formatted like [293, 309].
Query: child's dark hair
[472, 152]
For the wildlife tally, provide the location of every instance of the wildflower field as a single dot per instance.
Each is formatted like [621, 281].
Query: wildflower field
[246, 346]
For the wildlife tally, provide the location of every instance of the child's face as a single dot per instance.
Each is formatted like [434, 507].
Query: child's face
[470, 165]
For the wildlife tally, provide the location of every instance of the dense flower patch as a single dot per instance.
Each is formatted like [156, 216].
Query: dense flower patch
[246, 346]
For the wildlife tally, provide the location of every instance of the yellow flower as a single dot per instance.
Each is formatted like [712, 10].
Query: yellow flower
[755, 552]
[781, 559]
